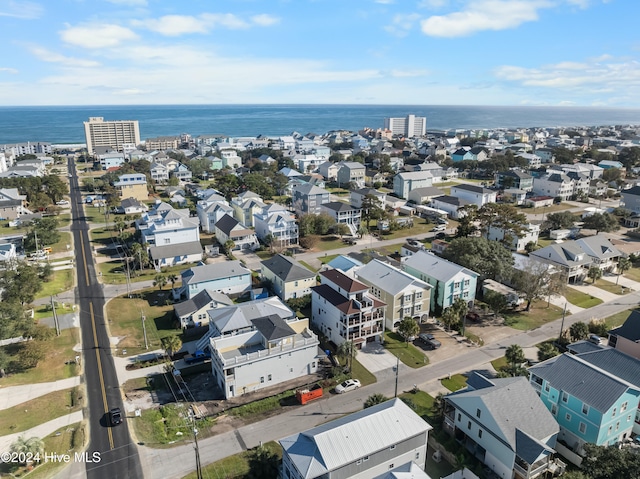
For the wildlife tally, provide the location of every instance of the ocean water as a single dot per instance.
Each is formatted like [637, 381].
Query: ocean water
[64, 124]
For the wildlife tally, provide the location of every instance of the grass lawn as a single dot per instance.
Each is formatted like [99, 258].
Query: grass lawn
[612, 287]
[544, 242]
[391, 249]
[617, 319]
[58, 350]
[581, 299]
[124, 315]
[266, 254]
[536, 317]
[420, 227]
[499, 363]
[358, 371]
[457, 382]
[60, 281]
[327, 258]
[329, 242]
[633, 273]
[67, 440]
[168, 424]
[236, 466]
[61, 245]
[39, 410]
[102, 236]
[407, 352]
[422, 401]
[45, 311]
[114, 272]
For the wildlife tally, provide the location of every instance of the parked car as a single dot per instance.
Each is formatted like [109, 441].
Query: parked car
[115, 416]
[471, 316]
[62, 202]
[595, 339]
[442, 221]
[441, 235]
[439, 228]
[430, 341]
[348, 385]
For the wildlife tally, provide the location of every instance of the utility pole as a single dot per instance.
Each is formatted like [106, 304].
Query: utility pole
[144, 330]
[55, 317]
[197, 449]
[562, 323]
[126, 260]
[395, 395]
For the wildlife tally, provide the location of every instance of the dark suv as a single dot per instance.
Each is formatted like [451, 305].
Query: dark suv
[429, 340]
[115, 416]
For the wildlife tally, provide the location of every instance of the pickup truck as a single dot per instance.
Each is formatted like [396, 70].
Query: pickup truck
[305, 395]
[197, 357]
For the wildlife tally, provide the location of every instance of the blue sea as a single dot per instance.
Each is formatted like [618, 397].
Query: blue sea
[64, 124]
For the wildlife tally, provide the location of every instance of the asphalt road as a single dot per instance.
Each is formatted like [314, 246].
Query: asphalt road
[118, 455]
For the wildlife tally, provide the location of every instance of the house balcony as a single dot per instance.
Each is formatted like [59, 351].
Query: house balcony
[372, 316]
[531, 471]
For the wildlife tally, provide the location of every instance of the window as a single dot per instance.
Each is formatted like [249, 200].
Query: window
[167, 241]
[417, 456]
[358, 462]
[554, 409]
[585, 409]
[261, 379]
[391, 466]
[456, 285]
[610, 429]
[582, 428]
[407, 311]
[295, 284]
[269, 377]
[613, 413]
[567, 416]
[479, 432]
[466, 282]
[417, 307]
[565, 397]
[546, 387]
[617, 426]
[623, 408]
[407, 298]
[365, 458]
[392, 447]
[469, 425]
[419, 295]
[459, 417]
[478, 412]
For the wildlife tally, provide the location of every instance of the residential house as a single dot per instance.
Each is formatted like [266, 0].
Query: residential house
[351, 172]
[513, 241]
[288, 278]
[631, 199]
[462, 154]
[274, 352]
[182, 172]
[514, 179]
[607, 164]
[353, 447]
[133, 185]
[539, 201]
[229, 277]
[328, 170]
[602, 252]
[276, 221]
[567, 257]
[12, 204]
[449, 281]
[245, 205]
[344, 213]
[626, 338]
[111, 159]
[597, 188]
[230, 229]
[131, 206]
[424, 195]
[556, 185]
[514, 195]
[358, 196]
[192, 313]
[211, 210]
[164, 225]
[343, 309]
[8, 253]
[344, 263]
[404, 182]
[404, 295]
[593, 396]
[476, 195]
[505, 425]
[479, 153]
[581, 183]
[308, 199]
[450, 204]
[159, 172]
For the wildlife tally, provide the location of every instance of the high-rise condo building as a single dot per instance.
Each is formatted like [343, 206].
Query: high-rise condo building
[410, 126]
[114, 135]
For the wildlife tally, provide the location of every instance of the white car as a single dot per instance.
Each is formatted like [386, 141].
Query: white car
[62, 202]
[348, 385]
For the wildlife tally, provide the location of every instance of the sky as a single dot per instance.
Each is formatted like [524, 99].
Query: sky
[413, 52]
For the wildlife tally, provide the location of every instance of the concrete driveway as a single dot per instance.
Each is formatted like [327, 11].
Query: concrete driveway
[375, 358]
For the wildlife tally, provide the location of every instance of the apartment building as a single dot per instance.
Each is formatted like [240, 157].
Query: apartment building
[111, 134]
[410, 126]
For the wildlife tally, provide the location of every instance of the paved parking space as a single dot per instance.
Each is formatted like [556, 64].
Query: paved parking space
[375, 358]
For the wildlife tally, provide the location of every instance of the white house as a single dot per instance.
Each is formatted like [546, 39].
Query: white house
[211, 210]
[229, 228]
[276, 221]
[556, 185]
[344, 310]
[407, 181]
[476, 195]
[515, 242]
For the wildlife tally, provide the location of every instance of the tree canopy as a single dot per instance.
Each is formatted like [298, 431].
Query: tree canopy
[490, 259]
[559, 221]
[605, 222]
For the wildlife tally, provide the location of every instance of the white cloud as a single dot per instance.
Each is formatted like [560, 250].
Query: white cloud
[590, 77]
[13, 71]
[484, 15]
[22, 10]
[176, 25]
[402, 24]
[97, 36]
[53, 57]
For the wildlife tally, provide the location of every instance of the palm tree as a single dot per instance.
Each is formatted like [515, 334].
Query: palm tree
[31, 447]
[171, 344]
[173, 278]
[624, 264]
[347, 351]
[438, 406]
[160, 281]
[594, 273]
[515, 357]
[374, 399]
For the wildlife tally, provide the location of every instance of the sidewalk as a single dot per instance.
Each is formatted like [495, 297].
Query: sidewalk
[42, 430]
[14, 395]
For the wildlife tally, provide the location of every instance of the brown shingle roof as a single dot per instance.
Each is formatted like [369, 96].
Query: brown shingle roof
[345, 282]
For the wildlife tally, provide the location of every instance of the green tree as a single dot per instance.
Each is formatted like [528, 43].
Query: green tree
[503, 217]
[408, 328]
[594, 273]
[602, 222]
[33, 446]
[438, 407]
[229, 245]
[347, 351]
[46, 231]
[306, 225]
[496, 302]
[564, 155]
[624, 264]
[374, 399]
[533, 282]
[547, 351]
[309, 242]
[579, 331]
[263, 463]
[173, 181]
[559, 221]
[30, 354]
[515, 358]
[20, 284]
[609, 462]
[372, 209]
[171, 344]
[341, 229]
[323, 222]
[490, 259]
[173, 278]
[467, 221]
[160, 280]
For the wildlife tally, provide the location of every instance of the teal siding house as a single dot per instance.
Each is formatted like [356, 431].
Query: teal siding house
[592, 395]
[448, 280]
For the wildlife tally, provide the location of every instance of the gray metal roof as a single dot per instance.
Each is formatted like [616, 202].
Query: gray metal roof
[173, 250]
[567, 254]
[506, 406]
[287, 269]
[589, 384]
[209, 272]
[387, 278]
[239, 316]
[615, 362]
[436, 267]
[199, 301]
[332, 445]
